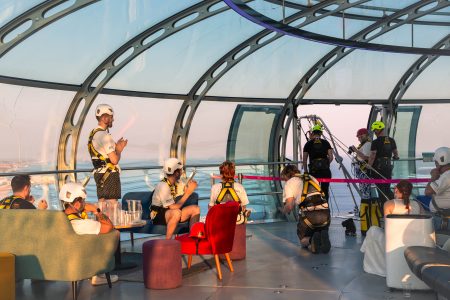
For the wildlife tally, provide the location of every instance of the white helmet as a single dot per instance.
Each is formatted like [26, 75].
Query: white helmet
[72, 190]
[171, 165]
[442, 156]
[104, 109]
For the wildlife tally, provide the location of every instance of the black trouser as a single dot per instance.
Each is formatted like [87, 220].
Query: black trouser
[384, 168]
[320, 219]
[323, 174]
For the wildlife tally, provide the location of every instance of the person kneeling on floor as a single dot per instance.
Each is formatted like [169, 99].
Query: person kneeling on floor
[73, 197]
[314, 219]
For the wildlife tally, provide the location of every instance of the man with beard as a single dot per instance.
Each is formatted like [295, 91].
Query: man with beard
[169, 197]
[105, 155]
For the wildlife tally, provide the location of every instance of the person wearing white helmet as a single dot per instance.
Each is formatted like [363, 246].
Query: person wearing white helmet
[105, 155]
[439, 186]
[73, 198]
[169, 199]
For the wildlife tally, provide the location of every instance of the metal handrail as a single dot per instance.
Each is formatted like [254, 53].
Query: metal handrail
[141, 168]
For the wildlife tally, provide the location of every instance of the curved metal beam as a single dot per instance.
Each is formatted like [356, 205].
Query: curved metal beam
[86, 95]
[38, 20]
[333, 57]
[411, 75]
[233, 57]
[262, 20]
[366, 17]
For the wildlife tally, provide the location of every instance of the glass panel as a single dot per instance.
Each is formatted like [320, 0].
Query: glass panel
[433, 120]
[146, 123]
[30, 127]
[9, 9]
[432, 82]
[250, 139]
[350, 78]
[405, 138]
[86, 37]
[185, 56]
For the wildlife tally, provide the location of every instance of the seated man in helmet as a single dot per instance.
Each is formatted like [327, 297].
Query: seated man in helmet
[169, 198]
[105, 155]
[21, 197]
[439, 186]
[73, 197]
[382, 151]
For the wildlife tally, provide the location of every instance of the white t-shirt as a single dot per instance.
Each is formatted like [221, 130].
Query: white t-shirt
[104, 144]
[365, 149]
[400, 208]
[293, 189]
[238, 188]
[163, 197]
[86, 226]
[442, 188]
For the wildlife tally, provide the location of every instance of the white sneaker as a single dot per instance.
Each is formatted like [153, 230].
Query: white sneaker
[101, 279]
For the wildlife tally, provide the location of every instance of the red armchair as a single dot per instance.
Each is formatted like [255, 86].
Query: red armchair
[215, 236]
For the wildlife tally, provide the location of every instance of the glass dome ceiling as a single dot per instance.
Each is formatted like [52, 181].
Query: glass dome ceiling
[183, 42]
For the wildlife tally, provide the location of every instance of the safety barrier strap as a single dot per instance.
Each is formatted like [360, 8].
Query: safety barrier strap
[336, 180]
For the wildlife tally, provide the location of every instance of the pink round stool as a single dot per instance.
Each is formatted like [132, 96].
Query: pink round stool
[162, 264]
[240, 243]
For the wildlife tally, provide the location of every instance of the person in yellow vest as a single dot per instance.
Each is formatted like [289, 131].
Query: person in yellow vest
[21, 197]
[105, 155]
[169, 199]
[228, 190]
[73, 197]
[314, 214]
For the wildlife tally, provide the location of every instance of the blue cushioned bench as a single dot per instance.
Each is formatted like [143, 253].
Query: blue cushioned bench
[146, 201]
[432, 265]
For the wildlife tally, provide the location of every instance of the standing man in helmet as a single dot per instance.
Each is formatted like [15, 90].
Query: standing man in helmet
[382, 151]
[169, 198]
[320, 154]
[73, 197]
[439, 186]
[360, 159]
[105, 155]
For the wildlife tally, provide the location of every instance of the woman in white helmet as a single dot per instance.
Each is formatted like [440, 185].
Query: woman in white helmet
[73, 197]
[439, 186]
[105, 155]
[168, 199]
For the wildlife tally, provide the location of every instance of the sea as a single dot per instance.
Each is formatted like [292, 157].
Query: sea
[344, 198]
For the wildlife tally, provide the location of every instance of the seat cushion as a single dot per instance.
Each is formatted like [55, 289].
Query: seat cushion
[437, 278]
[189, 245]
[419, 256]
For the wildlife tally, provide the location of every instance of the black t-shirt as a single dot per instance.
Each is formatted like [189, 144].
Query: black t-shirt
[317, 148]
[384, 146]
[20, 203]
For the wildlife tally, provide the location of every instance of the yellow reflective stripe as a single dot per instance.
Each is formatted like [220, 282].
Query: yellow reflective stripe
[305, 191]
[227, 188]
[95, 153]
[5, 203]
[74, 216]
[317, 187]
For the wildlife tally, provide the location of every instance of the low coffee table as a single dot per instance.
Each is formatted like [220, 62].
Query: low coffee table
[118, 254]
